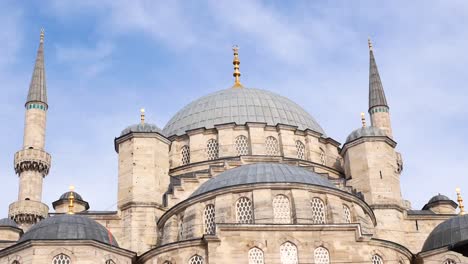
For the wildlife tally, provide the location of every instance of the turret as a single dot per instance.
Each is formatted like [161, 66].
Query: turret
[143, 180]
[378, 107]
[32, 162]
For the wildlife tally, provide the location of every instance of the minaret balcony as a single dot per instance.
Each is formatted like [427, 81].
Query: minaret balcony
[32, 159]
[28, 211]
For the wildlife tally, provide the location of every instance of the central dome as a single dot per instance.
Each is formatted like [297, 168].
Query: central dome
[240, 106]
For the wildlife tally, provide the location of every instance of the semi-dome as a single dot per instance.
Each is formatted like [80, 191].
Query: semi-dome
[452, 232]
[145, 127]
[69, 227]
[263, 173]
[240, 106]
[365, 132]
[7, 222]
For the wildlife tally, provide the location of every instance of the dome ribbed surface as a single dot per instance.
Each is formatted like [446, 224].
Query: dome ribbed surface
[448, 233]
[263, 173]
[365, 132]
[148, 128]
[240, 106]
[8, 222]
[69, 227]
[67, 195]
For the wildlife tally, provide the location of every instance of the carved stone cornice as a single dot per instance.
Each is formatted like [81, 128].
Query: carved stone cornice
[32, 160]
[28, 212]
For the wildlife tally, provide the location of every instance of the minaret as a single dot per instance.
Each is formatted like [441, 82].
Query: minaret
[32, 163]
[378, 107]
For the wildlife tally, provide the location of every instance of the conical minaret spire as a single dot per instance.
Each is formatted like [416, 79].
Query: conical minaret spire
[37, 87]
[378, 107]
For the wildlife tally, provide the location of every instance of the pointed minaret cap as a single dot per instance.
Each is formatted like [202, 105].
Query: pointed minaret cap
[236, 63]
[37, 87]
[376, 91]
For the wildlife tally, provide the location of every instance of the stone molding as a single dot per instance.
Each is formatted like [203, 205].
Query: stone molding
[32, 160]
[28, 211]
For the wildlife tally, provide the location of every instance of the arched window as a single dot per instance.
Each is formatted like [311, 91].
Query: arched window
[185, 151]
[209, 219]
[450, 261]
[271, 146]
[17, 262]
[242, 145]
[196, 259]
[281, 210]
[300, 147]
[318, 211]
[167, 262]
[212, 149]
[61, 259]
[288, 253]
[346, 214]
[244, 212]
[376, 259]
[321, 256]
[110, 261]
[256, 256]
[323, 159]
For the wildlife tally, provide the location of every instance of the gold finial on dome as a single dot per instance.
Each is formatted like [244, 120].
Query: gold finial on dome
[363, 119]
[369, 41]
[42, 35]
[71, 200]
[460, 202]
[236, 63]
[142, 116]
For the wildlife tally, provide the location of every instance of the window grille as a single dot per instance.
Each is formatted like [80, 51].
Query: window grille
[322, 157]
[212, 149]
[318, 211]
[242, 145]
[321, 256]
[244, 212]
[346, 214]
[300, 147]
[110, 261]
[181, 228]
[376, 259]
[281, 210]
[256, 256]
[196, 260]
[61, 259]
[449, 261]
[288, 253]
[271, 145]
[185, 155]
[209, 219]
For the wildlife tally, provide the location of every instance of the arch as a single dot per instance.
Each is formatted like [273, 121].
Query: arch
[185, 153]
[195, 259]
[209, 215]
[300, 148]
[281, 209]
[319, 215]
[212, 149]
[61, 259]
[256, 256]
[449, 261]
[15, 262]
[377, 259]
[271, 146]
[288, 253]
[110, 261]
[346, 214]
[167, 262]
[321, 256]
[242, 145]
[323, 158]
[244, 211]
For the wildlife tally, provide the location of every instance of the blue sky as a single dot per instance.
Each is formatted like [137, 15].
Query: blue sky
[107, 59]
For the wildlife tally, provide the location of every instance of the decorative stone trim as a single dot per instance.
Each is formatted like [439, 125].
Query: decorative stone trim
[28, 212]
[32, 160]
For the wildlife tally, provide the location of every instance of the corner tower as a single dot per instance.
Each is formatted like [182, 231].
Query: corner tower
[378, 107]
[32, 162]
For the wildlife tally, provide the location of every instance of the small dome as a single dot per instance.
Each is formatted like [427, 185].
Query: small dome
[64, 199]
[8, 222]
[451, 232]
[66, 195]
[240, 106]
[69, 227]
[263, 173]
[365, 132]
[439, 198]
[145, 128]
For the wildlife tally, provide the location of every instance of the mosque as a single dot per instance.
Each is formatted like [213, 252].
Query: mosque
[241, 175]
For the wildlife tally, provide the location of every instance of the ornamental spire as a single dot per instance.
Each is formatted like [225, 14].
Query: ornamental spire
[376, 91]
[236, 63]
[142, 116]
[460, 202]
[37, 87]
[363, 119]
[71, 200]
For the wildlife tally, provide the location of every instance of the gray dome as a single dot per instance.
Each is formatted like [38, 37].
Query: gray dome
[240, 106]
[263, 173]
[8, 222]
[69, 227]
[365, 132]
[141, 128]
[66, 195]
[439, 198]
[448, 233]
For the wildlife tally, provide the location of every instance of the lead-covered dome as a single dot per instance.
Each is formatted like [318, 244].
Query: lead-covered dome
[141, 128]
[69, 227]
[263, 173]
[7, 222]
[240, 106]
[452, 232]
[365, 132]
